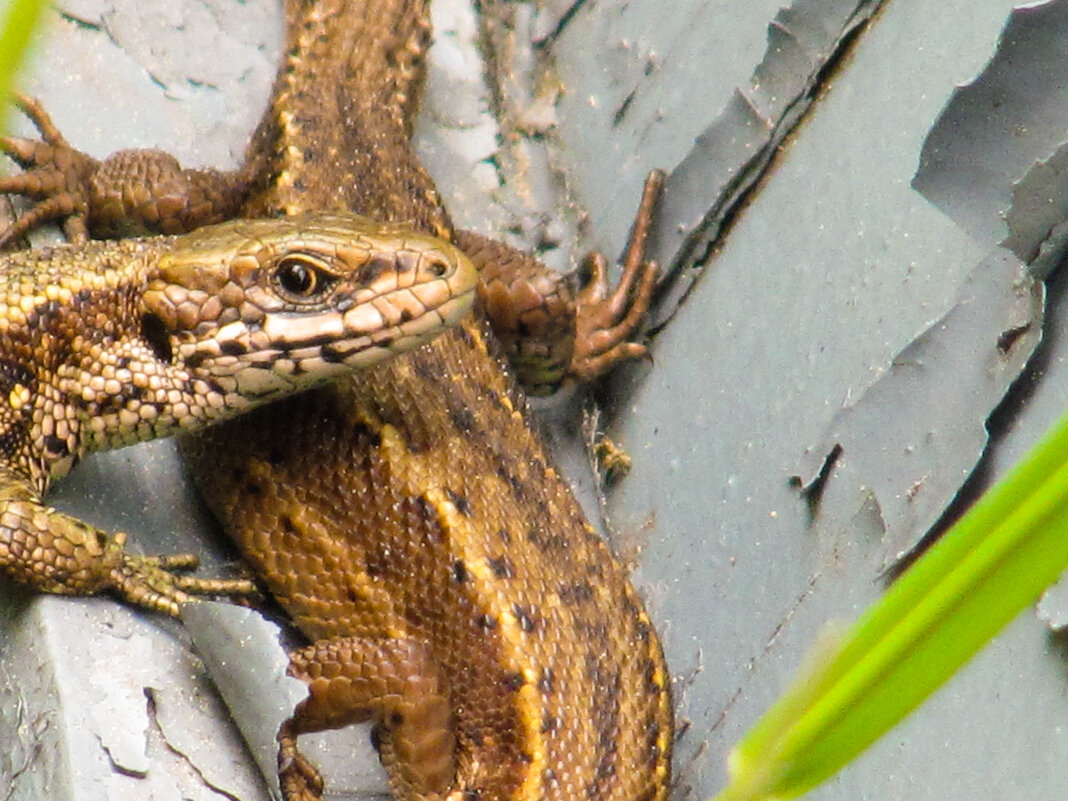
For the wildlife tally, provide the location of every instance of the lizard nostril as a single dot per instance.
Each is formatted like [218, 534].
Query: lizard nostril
[438, 268]
[154, 333]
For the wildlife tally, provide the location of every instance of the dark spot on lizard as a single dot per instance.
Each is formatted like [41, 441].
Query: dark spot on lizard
[425, 509]
[194, 360]
[605, 720]
[462, 419]
[551, 544]
[460, 573]
[396, 719]
[462, 504]
[549, 723]
[13, 373]
[547, 681]
[365, 436]
[524, 618]
[576, 593]
[375, 563]
[651, 680]
[154, 333]
[643, 630]
[424, 368]
[487, 622]
[126, 394]
[41, 316]
[12, 438]
[514, 482]
[371, 271]
[465, 336]
[56, 446]
[232, 348]
[472, 794]
[407, 261]
[652, 739]
[504, 536]
[276, 456]
[514, 682]
[501, 566]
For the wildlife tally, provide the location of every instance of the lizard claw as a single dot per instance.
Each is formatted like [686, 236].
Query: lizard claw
[605, 321]
[57, 177]
[152, 582]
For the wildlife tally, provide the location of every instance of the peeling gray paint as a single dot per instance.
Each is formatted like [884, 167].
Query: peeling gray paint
[992, 160]
[914, 436]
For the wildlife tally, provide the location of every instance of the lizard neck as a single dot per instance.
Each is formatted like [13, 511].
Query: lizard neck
[336, 133]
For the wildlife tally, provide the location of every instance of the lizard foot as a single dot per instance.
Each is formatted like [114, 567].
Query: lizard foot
[130, 193]
[606, 321]
[57, 177]
[156, 583]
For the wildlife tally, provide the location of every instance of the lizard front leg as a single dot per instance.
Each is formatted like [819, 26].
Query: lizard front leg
[552, 333]
[54, 552]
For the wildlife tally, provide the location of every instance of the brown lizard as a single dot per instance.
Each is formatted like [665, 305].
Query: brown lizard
[409, 521]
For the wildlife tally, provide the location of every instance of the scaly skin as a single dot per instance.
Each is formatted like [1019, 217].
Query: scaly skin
[111, 343]
[409, 521]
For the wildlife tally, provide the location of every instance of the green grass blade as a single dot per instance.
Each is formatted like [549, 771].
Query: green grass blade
[16, 32]
[993, 563]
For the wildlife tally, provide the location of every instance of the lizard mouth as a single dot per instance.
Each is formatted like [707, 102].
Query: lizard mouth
[363, 335]
[290, 350]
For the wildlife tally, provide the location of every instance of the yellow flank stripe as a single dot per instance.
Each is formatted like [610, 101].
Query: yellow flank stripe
[530, 709]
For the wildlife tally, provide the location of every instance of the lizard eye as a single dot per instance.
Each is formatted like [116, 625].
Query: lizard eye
[302, 279]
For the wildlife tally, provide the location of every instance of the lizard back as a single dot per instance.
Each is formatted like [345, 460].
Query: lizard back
[415, 503]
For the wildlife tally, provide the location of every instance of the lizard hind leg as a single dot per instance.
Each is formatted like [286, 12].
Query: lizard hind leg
[391, 682]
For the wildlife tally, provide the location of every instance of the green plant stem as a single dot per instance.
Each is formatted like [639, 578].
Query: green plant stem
[16, 34]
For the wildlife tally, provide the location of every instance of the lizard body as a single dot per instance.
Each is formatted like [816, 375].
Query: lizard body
[409, 521]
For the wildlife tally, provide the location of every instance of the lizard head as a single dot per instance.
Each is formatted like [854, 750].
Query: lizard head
[261, 308]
